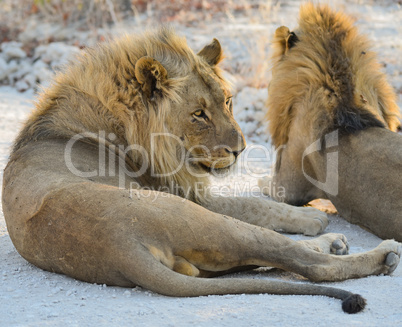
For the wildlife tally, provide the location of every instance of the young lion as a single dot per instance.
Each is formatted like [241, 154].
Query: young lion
[84, 192]
[327, 85]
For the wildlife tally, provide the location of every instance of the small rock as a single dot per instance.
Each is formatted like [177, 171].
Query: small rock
[12, 50]
[22, 86]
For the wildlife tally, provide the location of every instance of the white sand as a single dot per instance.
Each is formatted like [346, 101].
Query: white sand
[32, 297]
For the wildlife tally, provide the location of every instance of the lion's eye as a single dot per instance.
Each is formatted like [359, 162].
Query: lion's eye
[200, 114]
[228, 101]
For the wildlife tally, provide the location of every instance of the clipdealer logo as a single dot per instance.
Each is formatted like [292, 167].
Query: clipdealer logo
[330, 186]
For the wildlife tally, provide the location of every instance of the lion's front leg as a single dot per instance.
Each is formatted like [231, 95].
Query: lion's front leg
[270, 214]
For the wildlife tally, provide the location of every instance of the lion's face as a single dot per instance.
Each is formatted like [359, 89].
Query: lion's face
[202, 120]
[205, 124]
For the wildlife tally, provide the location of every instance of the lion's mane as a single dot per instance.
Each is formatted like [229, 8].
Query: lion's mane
[331, 73]
[98, 91]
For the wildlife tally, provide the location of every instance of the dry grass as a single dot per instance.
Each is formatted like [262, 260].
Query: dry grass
[98, 16]
[88, 14]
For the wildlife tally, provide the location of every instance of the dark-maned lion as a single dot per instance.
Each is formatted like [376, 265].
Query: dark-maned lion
[85, 192]
[333, 116]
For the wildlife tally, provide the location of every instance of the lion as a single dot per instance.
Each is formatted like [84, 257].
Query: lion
[96, 186]
[333, 117]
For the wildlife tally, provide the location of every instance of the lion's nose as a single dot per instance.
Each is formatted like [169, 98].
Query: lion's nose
[235, 153]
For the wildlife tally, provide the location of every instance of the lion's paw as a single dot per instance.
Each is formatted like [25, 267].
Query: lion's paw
[339, 245]
[392, 261]
[393, 252]
[330, 243]
[318, 220]
[315, 227]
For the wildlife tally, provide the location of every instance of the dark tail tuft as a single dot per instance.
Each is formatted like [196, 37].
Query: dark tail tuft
[353, 303]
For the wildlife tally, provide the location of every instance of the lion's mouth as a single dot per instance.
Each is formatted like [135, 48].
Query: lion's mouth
[210, 168]
[211, 164]
[217, 171]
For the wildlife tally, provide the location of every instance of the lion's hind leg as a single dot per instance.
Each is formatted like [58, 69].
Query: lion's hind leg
[330, 243]
[152, 274]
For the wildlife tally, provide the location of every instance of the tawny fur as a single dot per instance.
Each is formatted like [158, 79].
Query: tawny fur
[96, 229]
[325, 78]
[335, 66]
[114, 103]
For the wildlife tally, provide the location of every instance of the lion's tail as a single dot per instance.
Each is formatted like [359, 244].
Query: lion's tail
[168, 282]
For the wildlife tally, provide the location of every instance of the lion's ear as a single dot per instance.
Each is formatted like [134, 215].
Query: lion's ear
[151, 75]
[212, 53]
[291, 40]
[285, 39]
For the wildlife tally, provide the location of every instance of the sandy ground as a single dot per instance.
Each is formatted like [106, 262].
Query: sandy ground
[32, 297]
